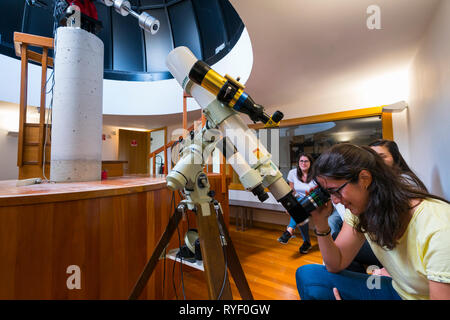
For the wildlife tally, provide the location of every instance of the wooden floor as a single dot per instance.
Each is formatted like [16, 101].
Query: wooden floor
[268, 265]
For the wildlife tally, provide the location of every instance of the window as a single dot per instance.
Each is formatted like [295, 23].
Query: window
[315, 134]
[317, 137]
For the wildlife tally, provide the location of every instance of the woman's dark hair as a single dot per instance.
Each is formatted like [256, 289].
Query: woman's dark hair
[309, 176]
[399, 163]
[389, 197]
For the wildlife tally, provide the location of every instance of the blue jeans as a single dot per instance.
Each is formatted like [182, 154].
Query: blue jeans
[304, 229]
[335, 222]
[314, 282]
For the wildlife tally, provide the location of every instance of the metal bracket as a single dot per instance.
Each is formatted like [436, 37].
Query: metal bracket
[74, 17]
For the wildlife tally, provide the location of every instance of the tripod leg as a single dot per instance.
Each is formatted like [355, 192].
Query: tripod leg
[212, 254]
[151, 264]
[233, 262]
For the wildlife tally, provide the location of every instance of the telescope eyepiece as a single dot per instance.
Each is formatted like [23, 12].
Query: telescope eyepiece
[277, 116]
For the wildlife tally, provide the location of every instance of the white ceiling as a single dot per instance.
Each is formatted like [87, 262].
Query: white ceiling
[318, 56]
[151, 121]
[314, 56]
[308, 53]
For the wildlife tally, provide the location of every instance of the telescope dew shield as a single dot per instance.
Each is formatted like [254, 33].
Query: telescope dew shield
[228, 91]
[203, 75]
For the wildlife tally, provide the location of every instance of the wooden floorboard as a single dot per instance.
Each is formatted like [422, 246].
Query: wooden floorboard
[268, 266]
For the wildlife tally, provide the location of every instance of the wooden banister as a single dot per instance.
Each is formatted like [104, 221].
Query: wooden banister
[33, 41]
[23, 102]
[166, 166]
[166, 146]
[223, 174]
[185, 96]
[42, 104]
[22, 44]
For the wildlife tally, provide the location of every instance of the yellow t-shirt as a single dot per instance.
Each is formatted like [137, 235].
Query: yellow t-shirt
[422, 253]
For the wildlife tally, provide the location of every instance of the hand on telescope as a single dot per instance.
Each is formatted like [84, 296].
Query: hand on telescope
[320, 217]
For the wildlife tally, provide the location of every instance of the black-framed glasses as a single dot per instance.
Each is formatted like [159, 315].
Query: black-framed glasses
[336, 192]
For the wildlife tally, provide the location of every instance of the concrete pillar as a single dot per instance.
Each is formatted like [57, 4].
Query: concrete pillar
[76, 142]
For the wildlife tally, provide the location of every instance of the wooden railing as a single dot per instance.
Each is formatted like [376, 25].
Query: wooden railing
[165, 148]
[22, 43]
[154, 153]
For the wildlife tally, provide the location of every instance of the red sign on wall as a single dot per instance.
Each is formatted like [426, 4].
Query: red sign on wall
[133, 143]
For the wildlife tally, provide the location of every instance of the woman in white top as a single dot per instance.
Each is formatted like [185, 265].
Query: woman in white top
[300, 180]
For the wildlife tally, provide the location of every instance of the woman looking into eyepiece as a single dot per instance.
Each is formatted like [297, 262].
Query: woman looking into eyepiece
[408, 230]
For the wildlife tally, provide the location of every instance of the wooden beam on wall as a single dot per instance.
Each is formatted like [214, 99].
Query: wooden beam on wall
[387, 126]
[42, 104]
[386, 122]
[185, 121]
[23, 102]
[343, 115]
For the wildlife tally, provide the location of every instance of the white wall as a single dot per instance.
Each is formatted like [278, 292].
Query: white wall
[422, 131]
[110, 146]
[129, 97]
[9, 122]
[8, 159]
[428, 115]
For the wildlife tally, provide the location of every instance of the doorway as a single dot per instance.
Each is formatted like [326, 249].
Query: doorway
[134, 147]
[158, 138]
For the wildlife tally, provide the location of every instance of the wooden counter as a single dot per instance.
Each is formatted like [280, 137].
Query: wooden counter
[108, 229]
[113, 167]
[56, 192]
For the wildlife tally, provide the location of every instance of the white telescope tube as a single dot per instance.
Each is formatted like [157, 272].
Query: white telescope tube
[244, 140]
[180, 62]
[249, 151]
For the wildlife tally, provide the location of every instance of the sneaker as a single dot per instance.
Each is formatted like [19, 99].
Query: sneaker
[285, 237]
[306, 246]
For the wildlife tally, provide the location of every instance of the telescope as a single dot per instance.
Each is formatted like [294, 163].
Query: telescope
[243, 151]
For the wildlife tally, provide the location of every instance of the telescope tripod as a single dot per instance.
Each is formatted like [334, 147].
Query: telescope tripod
[217, 249]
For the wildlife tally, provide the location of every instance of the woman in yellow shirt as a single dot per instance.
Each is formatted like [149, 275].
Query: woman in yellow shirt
[407, 229]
